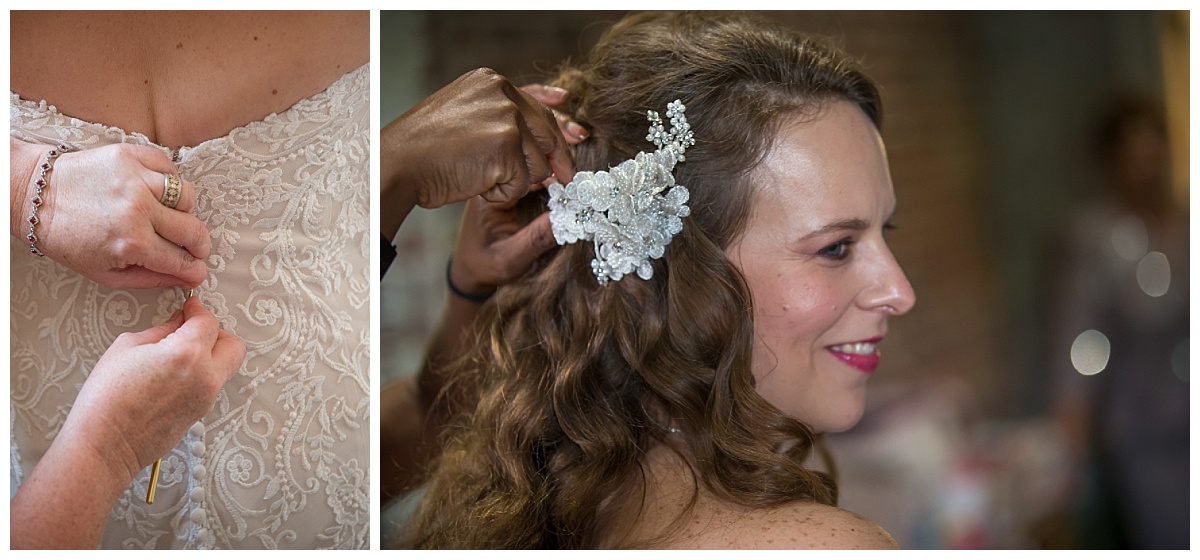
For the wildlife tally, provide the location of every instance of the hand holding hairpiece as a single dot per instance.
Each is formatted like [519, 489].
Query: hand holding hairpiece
[624, 211]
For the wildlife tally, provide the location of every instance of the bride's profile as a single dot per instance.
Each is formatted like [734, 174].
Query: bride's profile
[225, 153]
[661, 379]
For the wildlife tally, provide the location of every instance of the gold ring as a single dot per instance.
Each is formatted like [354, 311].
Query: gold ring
[171, 188]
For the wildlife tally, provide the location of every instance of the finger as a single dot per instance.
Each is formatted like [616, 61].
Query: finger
[540, 122]
[511, 178]
[138, 277]
[153, 159]
[550, 96]
[199, 323]
[545, 184]
[527, 244]
[555, 97]
[572, 131]
[165, 257]
[229, 352]
[157, 182]
[158, 332]
[535, 160]
[561, 164]
[183, 230]
[159, 166]
[507, 193]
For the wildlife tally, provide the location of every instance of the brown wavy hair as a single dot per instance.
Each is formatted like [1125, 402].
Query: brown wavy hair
[570, 383]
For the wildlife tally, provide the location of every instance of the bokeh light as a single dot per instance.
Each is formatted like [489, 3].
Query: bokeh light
[1129, 238]
[1089, 352]
[1154, 274]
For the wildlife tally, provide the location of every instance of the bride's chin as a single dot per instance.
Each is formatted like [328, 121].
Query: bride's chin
[835, 421]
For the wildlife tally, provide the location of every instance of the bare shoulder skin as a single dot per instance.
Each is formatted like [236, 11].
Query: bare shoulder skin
[795, 526]
[714, 524]
[182, 78]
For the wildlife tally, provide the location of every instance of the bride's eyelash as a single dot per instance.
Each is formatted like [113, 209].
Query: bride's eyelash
[838, 251]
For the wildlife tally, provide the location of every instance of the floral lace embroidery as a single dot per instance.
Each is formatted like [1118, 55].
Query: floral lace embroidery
[282, 460]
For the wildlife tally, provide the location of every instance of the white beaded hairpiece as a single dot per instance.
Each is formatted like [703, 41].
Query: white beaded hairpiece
[624, 211]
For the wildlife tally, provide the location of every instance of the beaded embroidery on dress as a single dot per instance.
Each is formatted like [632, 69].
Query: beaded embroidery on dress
[282, 460]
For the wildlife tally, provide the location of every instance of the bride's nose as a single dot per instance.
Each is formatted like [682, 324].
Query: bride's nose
[889, 290]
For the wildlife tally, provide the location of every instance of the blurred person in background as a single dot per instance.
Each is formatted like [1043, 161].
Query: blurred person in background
[1121, 345]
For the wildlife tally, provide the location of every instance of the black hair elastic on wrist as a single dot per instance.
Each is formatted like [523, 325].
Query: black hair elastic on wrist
[469, 297]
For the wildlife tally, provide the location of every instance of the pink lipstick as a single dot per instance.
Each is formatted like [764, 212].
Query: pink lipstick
[863, 355]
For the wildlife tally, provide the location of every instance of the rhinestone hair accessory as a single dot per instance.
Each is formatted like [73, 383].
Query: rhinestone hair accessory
[624, 211]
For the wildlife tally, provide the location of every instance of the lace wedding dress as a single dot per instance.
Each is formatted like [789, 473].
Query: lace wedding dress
[282, 460]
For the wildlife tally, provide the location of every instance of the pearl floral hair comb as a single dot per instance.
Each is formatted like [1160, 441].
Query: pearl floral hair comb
[624, 211]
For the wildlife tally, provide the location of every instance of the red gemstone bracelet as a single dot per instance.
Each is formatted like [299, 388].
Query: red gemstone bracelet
[40, 184]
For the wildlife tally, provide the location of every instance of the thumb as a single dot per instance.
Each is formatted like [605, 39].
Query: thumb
[528, 243]
[229, 353]
[158, 332]
[198, 322]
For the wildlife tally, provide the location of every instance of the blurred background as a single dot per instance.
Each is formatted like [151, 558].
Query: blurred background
[1038, 394]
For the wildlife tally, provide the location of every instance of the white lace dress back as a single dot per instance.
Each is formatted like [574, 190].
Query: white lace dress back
[282, 460]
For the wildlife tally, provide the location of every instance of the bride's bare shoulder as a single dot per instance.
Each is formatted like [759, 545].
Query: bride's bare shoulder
[794, 526]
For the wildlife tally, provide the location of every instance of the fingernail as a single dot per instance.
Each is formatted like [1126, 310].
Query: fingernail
[555, 91]
[577, 129]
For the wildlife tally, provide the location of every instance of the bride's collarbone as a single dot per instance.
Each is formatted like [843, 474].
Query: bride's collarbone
[181, 89]
[178, 109]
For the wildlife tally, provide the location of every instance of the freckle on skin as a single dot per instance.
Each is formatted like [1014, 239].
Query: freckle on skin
[274, 91]
[179, 45]
[256, 37]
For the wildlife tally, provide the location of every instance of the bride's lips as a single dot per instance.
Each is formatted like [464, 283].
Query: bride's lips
[862, 355]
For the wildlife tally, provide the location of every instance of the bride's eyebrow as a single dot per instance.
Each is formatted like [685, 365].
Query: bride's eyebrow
[853, 224]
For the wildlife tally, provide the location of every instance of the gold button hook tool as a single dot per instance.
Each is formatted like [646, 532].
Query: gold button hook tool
[158, 464]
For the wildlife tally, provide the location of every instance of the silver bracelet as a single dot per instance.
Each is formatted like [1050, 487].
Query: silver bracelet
[37, 196]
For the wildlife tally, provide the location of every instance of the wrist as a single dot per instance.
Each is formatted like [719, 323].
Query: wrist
[111, 457]
[469, 290]
[24, 158]
[67, 497]
[397, 197]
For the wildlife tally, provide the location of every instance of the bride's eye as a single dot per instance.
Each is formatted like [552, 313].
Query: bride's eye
[837, 251]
